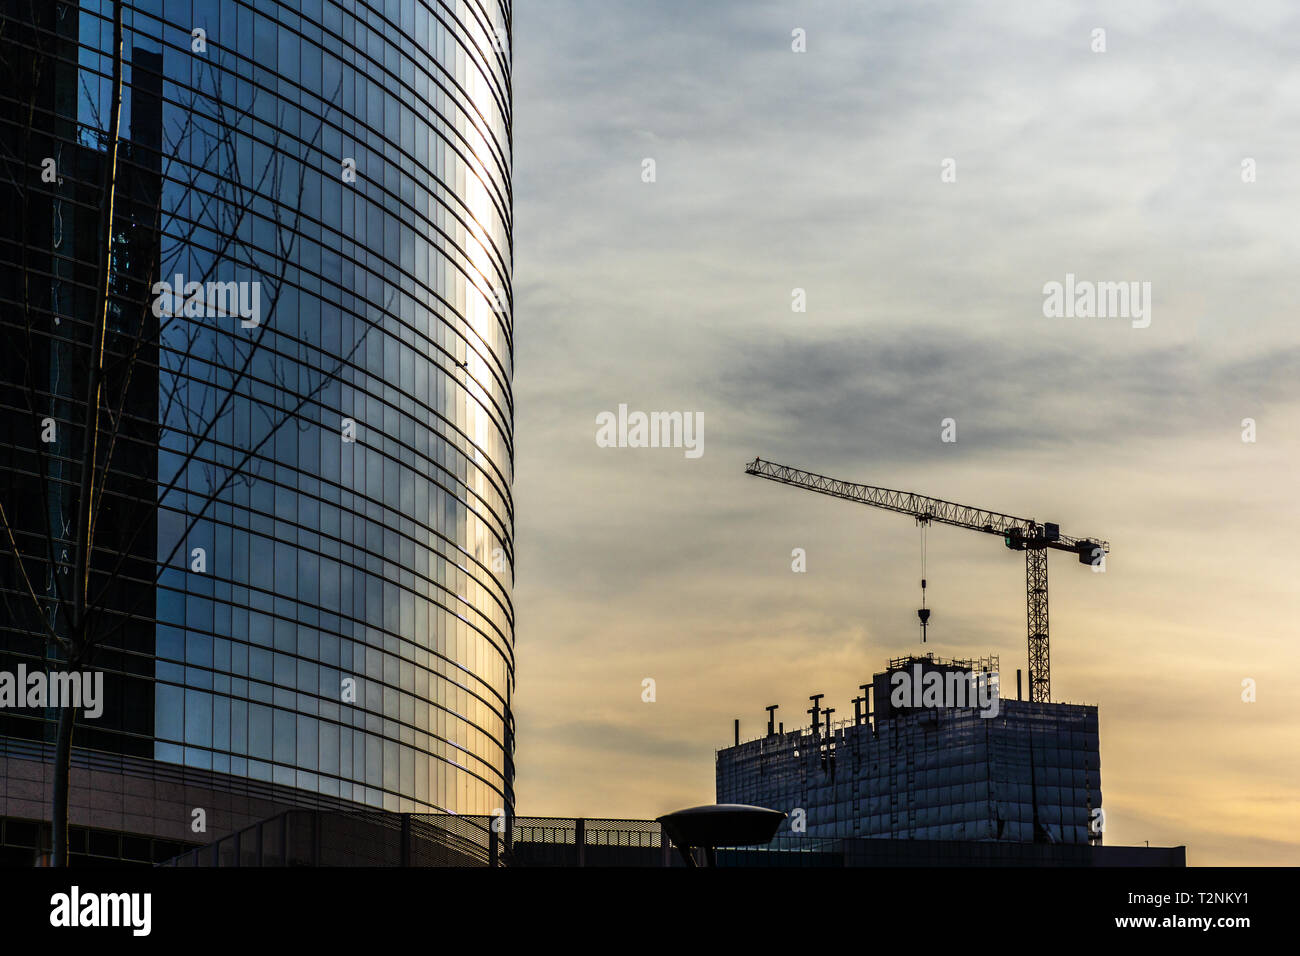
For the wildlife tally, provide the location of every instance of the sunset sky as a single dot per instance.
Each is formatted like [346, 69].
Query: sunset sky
[821, 170]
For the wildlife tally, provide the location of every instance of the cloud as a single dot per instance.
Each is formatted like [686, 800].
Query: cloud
[821, 171]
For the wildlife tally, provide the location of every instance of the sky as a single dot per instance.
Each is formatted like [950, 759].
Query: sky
[924, 300]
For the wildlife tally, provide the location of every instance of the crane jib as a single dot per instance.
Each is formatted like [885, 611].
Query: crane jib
[1034, 534]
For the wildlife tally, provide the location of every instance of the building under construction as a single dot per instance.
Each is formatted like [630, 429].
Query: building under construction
[932, 752]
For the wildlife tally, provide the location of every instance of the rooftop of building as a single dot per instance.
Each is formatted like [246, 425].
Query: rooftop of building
[866, 710]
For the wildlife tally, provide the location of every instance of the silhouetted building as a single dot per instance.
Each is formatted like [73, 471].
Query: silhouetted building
[910, 765]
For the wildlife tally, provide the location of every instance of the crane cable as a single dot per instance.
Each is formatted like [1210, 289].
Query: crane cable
[924, 528]
[923, 613]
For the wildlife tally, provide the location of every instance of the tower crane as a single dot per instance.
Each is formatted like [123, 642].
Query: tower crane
[1018, 534]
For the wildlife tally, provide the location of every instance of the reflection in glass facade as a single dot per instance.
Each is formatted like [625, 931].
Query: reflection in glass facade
[336, 610]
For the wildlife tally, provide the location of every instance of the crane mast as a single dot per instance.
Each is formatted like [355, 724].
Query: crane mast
[1018, 534]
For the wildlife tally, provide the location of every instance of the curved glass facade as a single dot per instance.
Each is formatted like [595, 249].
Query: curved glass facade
[335, 459]
[354, 632]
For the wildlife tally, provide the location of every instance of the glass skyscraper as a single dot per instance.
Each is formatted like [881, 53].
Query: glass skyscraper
[318, 195]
